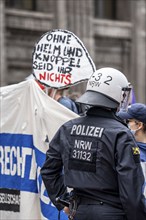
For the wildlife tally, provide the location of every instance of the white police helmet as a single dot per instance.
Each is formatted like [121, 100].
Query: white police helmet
[107, 87]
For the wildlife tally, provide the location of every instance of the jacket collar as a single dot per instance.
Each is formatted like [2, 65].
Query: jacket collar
[105, 113]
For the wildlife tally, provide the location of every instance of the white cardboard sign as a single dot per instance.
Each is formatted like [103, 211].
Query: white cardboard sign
[60, 59]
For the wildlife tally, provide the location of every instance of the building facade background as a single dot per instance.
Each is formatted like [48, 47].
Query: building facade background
[113, 31]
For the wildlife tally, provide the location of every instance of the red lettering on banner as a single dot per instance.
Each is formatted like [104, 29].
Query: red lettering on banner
[42, 76]
[56, 77]
[51, 78]
[68, 79]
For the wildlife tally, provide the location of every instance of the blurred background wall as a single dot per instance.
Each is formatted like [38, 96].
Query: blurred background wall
[113, 31]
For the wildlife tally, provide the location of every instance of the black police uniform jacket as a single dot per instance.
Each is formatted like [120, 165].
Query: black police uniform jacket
[97, 156]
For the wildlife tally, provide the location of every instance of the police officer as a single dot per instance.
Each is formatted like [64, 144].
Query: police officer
[97, 156]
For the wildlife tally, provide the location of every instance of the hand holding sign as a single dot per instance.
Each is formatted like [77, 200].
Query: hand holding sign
[61, 60]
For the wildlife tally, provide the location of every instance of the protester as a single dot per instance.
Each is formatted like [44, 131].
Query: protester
[60, 96]
[81, 108]
[135, 116]
[97, 156]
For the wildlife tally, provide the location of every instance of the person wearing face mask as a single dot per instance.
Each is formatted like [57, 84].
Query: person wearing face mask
[135, 117]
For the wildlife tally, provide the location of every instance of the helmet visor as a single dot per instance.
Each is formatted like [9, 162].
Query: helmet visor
[126, 96]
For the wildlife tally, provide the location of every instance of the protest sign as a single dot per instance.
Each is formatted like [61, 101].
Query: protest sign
[60, 59]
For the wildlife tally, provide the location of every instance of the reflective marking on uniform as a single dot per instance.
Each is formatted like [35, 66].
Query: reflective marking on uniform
[82, 150]
[84, 130]
[136, 150]
[85, 145]
[81, 155]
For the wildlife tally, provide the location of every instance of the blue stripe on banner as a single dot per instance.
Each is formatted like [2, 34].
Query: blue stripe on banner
[52, 213]
[48, 210]
[17, 159]
[19, 162]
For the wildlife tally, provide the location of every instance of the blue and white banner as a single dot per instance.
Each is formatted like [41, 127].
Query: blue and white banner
[29, 119]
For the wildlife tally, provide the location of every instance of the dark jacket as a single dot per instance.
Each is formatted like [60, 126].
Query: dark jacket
[98, 157]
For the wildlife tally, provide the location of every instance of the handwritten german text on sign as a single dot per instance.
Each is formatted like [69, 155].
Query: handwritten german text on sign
[60, 60]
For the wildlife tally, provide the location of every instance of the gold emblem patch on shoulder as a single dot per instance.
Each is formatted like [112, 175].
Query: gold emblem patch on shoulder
[136, 150]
